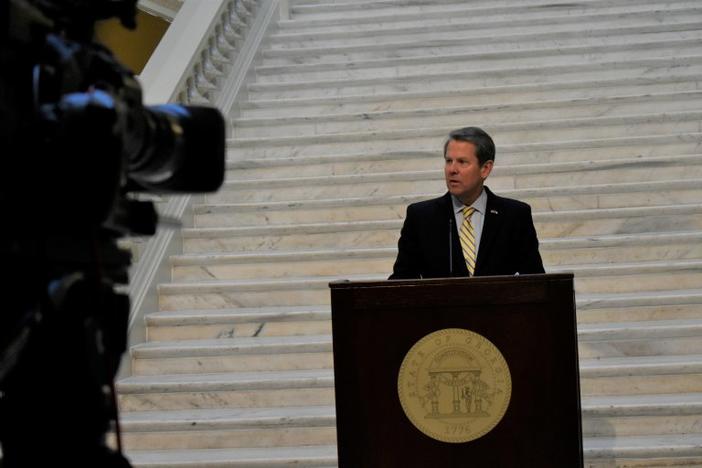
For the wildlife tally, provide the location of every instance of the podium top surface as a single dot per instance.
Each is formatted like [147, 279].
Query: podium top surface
[342, 284]
[439, 292]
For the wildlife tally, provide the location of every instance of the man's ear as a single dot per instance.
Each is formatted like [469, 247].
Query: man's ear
[486, 168]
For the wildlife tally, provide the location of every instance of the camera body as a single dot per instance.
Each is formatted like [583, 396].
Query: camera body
[91, 112]
[77, 144]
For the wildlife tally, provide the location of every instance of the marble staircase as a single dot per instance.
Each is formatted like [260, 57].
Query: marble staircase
[595, 107]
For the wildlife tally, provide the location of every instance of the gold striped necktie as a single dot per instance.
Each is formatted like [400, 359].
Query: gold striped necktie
[467, 237]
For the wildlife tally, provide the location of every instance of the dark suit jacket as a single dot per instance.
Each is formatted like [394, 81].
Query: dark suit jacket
[429, 246]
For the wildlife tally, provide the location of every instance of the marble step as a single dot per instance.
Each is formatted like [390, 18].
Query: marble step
[430, 15]
[282, 265]
[599, 377]
[478, 43]
[554, 251]
[263, 292]
[600, 452]
[346, 2]
[642, 414]
[629, 220]
[316, 425]
[654, 66]
[281, 353]
[267, 262]
[593, 310]
[393, 207]
[291, 321]
[460, 14]
[313, 290]
[268, 457]
[448, 116]
[325, 55]
[504, 133]
[509, 162]
[608, 170]
[306, 237]
[385, 196]
[576, 151]
[649, 246]
[469, 19]
[662, 275]
[639, 375]
[639, 306]
[328, 2]
[300, 5]
[312, 387]
[484, 98]
[349, 235]
[442, 51]
[240, 354]
[643, 451]
[229, 428]
[312, 14]
[479, 4]
[361, 3]
[648, 338]
[604, 250]
[241, 322]
[529, 45]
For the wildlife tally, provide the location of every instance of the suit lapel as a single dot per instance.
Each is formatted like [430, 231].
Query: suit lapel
[491, 225]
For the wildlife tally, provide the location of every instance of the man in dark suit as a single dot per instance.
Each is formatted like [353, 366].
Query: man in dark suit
[469, 231]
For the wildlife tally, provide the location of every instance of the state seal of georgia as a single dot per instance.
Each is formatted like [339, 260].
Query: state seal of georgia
[454, 385]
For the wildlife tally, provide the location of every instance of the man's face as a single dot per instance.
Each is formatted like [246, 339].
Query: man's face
[464, 174]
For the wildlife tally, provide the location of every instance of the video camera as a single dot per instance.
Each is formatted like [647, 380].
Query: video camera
[77, 147]
[89, 110]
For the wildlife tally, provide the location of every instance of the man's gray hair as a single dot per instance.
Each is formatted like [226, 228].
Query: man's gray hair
[484, 146]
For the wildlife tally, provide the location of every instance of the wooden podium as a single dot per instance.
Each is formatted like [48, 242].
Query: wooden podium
[529, 319]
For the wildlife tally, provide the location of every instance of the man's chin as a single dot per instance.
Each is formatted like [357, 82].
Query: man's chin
[463, 196]
[455, 191]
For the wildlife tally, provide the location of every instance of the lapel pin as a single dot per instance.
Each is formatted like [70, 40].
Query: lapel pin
[494, 212]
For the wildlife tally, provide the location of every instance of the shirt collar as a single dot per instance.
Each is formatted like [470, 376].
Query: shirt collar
[479, 205]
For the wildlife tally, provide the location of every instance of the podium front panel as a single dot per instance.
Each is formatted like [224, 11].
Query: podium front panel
[530, 319]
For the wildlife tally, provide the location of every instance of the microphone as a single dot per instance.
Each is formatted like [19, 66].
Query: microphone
[450, 247]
